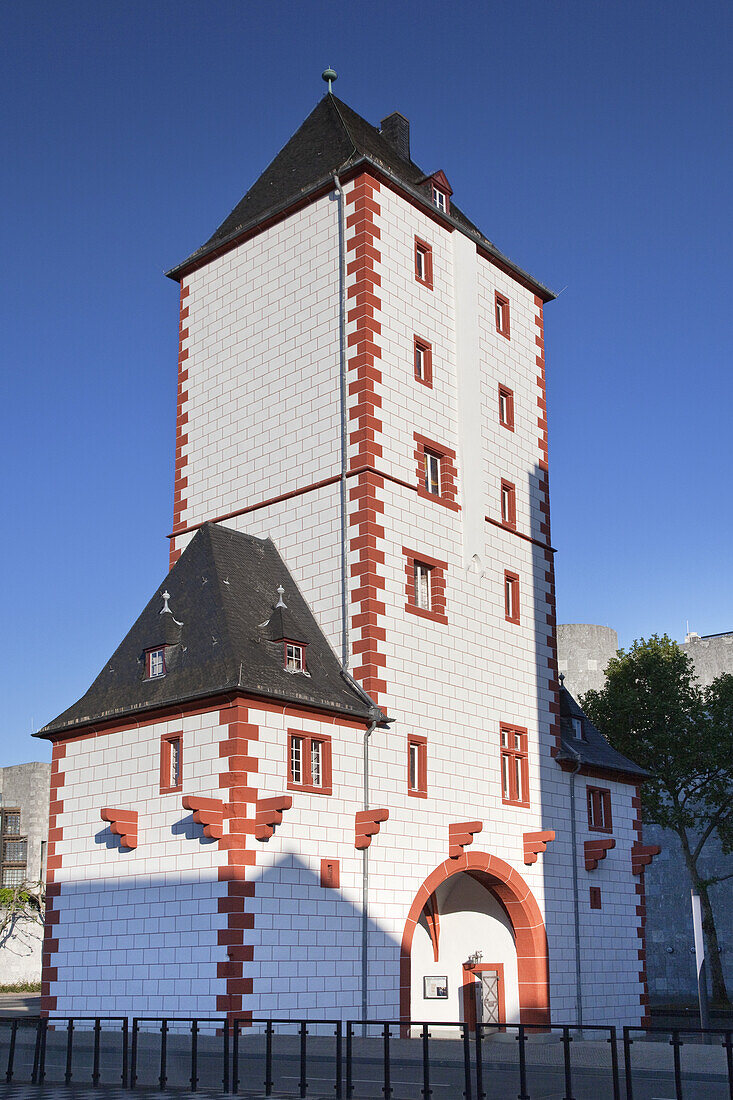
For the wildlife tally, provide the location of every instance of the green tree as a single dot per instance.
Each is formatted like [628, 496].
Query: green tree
[653, 710]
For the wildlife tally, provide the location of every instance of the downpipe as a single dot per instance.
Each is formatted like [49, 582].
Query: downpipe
[576, 905]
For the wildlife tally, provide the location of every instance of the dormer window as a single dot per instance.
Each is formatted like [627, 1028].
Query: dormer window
[577, 724]
[155, 663]
[294, 657]
[440, 199]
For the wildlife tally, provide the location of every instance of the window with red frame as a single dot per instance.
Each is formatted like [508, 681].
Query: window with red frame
[501, 310]
[423, 263]
[436, 471]
[425, 586]
[511, 597]
[599, 809]
[417, 766]
[294, 656]
[171, 762]
[155, 663]
[309, 762]
[506, 408]
[431, 472]
[514, 766]
[508, 504]
[423, 362]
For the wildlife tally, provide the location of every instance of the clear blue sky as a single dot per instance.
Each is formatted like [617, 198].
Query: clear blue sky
[590, 141]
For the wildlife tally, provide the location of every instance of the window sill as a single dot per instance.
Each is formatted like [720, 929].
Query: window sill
[416, 794]
[424, 282]
[423, 613]
[436, 498]
[508, 526]
[514, 622]
[308, 788]
[599, 829]
[513, 802]
[427, 382]
[172, 790]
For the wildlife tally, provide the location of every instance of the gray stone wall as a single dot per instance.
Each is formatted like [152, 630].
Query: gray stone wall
[583, 654]
[27, 788]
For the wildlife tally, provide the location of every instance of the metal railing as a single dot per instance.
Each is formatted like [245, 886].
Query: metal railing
[364, 1059]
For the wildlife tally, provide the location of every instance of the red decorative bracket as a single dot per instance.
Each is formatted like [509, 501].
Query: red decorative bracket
[642, 855]
[208, 812]
[123, 823]
[595, 850]
[367, 826]
[536, 843]
[270, 814]
[460, 835]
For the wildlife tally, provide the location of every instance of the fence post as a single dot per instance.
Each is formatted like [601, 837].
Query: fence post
[69, 1049]
[235, 1056]
[627, 1063]
[522, 1039]
[163, 1053]
[614, 1065]
[133, 1053]
[426, 1090]
[387, 1090]
[303, 1070]
[349, 1052]
[225, 1074]
[11, 1051]
[466, 1036]
[194, 1054]
[36, 1053]
[125, 1040]
[95, 1064]
[268, 1058]
[676, 1043]
[479, 1063]
[339, 1057]
[566, 1041]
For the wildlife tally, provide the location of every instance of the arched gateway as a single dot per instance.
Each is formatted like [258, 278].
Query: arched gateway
[483, 899]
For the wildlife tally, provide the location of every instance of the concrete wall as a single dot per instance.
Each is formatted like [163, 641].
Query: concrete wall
[583, 653]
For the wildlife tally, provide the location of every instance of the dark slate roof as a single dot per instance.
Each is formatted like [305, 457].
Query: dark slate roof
[219, 637]
[595, 751]
[333, 139]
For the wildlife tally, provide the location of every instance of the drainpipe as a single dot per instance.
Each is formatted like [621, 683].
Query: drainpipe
[576, 909]
[344, 415]
[365, 889]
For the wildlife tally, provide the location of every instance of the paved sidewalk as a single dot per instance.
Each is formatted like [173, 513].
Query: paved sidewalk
[20, 1004]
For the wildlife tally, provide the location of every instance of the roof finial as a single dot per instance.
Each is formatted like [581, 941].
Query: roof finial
[166, 596]
[280, 594]
[329, 76]
[562, 679]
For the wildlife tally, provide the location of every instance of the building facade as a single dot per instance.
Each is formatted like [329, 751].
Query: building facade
[24, 797]
[361, 445]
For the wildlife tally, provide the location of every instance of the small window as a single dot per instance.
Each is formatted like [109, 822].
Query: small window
[155, 663]
[432, 473]
[423, 362]
[417, 766]
[577, 724]
[13, 850]
[309, 767]
[511, 597]
[599, 809]
[514, 766]
[423, 263]
[425, 586]
[439, 199]
[294, 657]
[506, 408]
[508, 504]
[171, 763]
[595, 897]
[422, 586]
[11, 823]
[501, 307]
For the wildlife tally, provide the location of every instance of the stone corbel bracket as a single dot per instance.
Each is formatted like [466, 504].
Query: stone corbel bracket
[595, 850]
[460, 836]
[367, 825]
[123, 823]
[269, 814]
[536, 843]
[642, 855]
[208, 812]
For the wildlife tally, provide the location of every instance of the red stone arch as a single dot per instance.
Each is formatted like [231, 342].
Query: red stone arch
[523, 912]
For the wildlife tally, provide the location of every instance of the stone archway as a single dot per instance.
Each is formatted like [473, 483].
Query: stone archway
[512, 891]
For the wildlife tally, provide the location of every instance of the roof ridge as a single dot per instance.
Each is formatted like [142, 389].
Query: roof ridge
[335, 104]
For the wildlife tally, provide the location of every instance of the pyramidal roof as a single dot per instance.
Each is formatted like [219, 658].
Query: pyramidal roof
[216, 615]
[332, 140]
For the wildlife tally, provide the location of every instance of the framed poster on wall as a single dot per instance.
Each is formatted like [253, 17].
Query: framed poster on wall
[435, 988]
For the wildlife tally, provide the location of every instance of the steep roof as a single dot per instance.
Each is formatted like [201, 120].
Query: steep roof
[594, 751]
[333, 139]
[219, 636]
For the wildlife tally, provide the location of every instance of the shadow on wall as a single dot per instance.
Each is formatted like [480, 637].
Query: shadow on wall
[20, 949]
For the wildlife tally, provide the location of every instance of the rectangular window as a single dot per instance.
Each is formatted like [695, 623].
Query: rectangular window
[577, 726]
[599, 809]
[13, 850]
[423, 263]
[514, 766]
[511, 597]
[417, 766]
[294, 657]
[423, 362]
[422, 586]
[501, 308]
[595, 897]
[155, 663]
[171, 763]
[439, 199]
[432, 473]
[508, 504]
[309, 767]
[506, 408]
[425, 586]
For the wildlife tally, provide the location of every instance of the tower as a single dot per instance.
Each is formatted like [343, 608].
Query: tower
[361, 477]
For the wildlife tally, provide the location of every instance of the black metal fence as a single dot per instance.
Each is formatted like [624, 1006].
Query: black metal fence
[369, 1059]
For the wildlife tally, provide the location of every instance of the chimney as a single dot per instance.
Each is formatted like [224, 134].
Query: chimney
[396, 129]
